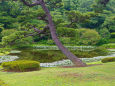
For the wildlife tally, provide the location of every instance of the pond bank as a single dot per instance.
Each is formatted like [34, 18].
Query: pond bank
[67, 62]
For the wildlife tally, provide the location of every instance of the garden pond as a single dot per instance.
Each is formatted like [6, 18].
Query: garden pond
[47, 58]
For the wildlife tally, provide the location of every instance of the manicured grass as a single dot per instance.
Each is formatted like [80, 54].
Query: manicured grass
[97, 62]
[99, 75]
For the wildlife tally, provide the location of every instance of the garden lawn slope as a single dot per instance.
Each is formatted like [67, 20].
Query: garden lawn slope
[99, 75]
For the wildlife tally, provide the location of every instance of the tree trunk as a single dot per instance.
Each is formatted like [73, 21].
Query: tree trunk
[72, 57]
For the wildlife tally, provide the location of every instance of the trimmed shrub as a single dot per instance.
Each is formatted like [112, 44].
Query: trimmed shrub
[2, 83]
[21, 65]
[108, 59]
[88, 36]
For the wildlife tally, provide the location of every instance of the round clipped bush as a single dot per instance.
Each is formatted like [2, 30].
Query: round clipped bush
[21, 65]
[2, 83]
[109, 59]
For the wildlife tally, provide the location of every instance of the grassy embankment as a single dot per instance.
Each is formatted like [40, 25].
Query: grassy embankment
[99, 75]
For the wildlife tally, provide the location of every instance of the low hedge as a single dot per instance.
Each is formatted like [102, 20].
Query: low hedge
[2, 83]
[109, 59]
[21, 65]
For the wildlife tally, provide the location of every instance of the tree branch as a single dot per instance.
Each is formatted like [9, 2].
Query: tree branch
[31, 5]
[41, 31]
[43, 18]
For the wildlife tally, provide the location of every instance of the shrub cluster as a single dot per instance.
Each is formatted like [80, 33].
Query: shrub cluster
[50, 42]
[108, 59]
[21, 65]
[4, 51]
[110, 45]
[2, 83]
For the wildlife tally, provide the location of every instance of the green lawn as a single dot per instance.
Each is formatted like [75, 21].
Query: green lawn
[99, 75]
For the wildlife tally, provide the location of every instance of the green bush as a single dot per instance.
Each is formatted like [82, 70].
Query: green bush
[111, 45]
[109, 59]
[112, 40]
[105, 34]
[17, 39]
[51, 42]
[8, 32]
[66, 32]
[4, 51]
[101, 51]
[22, 65]
[102, 41]
[1, 45]
[2, 83]
[88, 36]
[65, 40]
[113, 35]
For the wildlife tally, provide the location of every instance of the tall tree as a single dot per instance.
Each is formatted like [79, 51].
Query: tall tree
[52, 29]
[100, 5]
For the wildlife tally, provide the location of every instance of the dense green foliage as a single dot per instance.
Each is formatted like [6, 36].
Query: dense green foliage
[22, 65]
[88, 37]
[111, 45]
[69, 16]
[17, 39]
[4, 51]
[77, 22]
[113, 35]
[109, 59]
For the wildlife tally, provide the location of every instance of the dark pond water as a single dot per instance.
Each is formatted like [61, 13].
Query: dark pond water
[40, 55]
[44, 56]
